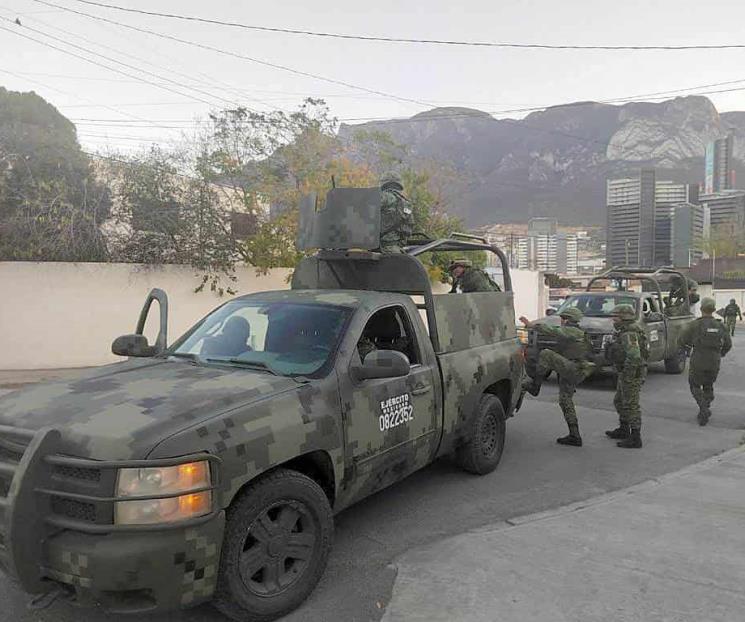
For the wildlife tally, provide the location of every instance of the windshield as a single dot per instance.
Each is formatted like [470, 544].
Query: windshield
[287, 339]
[597, 305]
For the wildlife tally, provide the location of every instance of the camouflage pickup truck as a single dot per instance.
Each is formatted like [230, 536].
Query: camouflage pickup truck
[644, 291]
[210, 469]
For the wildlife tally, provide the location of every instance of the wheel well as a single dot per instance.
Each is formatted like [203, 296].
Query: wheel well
[503, 390]
[318, 466]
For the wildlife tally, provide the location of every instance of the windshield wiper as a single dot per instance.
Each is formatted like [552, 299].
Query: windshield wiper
[244, 363]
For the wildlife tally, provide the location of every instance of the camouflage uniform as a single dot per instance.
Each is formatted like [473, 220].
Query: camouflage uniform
[676, 300]
[710, 341]
[731, 313]
[571, 363]
[396, 217]
[629, 353]
[472, 279]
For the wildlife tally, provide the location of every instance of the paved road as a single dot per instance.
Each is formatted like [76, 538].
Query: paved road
[535, 475]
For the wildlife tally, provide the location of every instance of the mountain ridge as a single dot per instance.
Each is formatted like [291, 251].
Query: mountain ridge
[555, 162]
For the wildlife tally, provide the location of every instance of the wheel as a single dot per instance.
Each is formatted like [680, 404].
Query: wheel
[676, 364]
[481, 453]
[277, 542]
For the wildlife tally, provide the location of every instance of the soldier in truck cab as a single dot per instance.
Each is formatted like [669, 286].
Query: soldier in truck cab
[384, 331]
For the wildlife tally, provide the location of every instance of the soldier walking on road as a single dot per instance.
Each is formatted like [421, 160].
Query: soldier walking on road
[731, 313]
[571, 363]
[396, 216]
[629, 354]
[467, 279]
[710, 341]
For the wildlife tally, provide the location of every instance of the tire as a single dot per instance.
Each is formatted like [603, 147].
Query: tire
[676, 364]
[278, 516]
[481, 453]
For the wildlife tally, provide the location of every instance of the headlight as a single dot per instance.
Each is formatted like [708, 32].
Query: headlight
[607, 340]
[176, 494]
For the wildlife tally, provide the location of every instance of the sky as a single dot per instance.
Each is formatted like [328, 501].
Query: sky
[169, 85]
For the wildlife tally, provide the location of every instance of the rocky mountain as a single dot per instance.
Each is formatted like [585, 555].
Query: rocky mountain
[555, 162]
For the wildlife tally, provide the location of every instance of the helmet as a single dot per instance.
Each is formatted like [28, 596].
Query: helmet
[465, 263]
[391, 179]
[572, 313]
[708, 305]
[732, 301]
[624, 312]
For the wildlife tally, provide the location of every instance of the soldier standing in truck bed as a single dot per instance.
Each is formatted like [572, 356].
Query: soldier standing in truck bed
[467, 279]
[396, 215]
[710, 341]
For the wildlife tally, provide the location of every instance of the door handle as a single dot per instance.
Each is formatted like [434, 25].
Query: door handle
[422, 389]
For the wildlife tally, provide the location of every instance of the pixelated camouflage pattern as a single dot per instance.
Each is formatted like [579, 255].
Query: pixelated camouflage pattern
[473, 320]
[178, 567]
[254, 421]
[628, 354]
[350, 218]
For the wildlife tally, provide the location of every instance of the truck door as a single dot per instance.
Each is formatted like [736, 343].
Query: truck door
[656, 328]
[392, 425]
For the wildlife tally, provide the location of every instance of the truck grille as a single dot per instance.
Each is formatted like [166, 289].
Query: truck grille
[78, 473]
[74, 509]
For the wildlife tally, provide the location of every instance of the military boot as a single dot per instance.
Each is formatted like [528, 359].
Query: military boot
[532, 386]
[573, 438]
[703, 415]
[620, 433]
[634, 441]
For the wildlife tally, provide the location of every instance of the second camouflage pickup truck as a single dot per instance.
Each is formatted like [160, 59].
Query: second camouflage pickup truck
[210, 470]
[644, 291]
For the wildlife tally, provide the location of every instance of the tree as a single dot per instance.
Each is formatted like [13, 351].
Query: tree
[51, 205]
[726, 240]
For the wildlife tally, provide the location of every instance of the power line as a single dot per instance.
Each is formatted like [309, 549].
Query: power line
[128, 66]
[93, 62]
[240, 56]
[210, 83]
[381, 39]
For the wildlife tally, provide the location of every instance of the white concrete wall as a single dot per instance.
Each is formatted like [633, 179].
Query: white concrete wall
[58, 315]
[55, 315]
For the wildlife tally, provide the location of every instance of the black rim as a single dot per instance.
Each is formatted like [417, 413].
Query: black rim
[489, 434]
[279, 548]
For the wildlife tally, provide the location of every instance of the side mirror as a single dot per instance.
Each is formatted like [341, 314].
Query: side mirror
[133, 345]
[383, 364]
[654, 316]
[137, 344]
[550, 311]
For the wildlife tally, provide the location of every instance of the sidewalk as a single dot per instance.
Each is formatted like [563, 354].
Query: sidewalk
[669, 549]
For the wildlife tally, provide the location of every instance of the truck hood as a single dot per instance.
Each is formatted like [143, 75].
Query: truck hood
[122, 411]
[590, 324]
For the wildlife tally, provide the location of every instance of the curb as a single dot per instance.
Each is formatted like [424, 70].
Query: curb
[610, 496]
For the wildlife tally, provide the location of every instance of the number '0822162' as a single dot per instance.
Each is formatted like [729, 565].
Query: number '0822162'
[395, 411]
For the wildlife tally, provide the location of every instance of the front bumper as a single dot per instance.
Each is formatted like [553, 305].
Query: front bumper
[56, 526]
[139, 572]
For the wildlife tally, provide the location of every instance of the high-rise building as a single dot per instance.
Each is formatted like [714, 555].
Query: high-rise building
[689, 228]
[640, 219]
[547, 250]
[668, 195]
[542, 226]
[719, 171]
[567, 253]
[726, 208]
